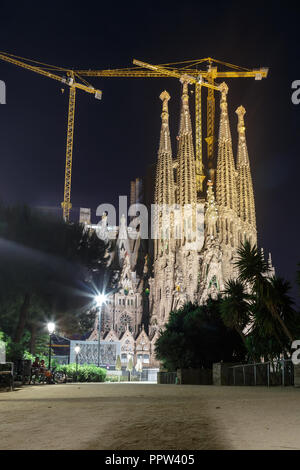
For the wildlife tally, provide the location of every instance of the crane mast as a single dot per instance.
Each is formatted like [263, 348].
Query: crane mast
[68, 77]
[66, 204]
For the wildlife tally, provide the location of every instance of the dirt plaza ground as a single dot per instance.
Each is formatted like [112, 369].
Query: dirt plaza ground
[135, 416]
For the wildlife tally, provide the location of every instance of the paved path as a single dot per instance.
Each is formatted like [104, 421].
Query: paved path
[149, 416]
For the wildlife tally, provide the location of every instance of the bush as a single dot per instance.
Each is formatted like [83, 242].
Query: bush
[86, 372]
[112, 378]
[135, 378]
[19, 351]
[115, 378]
[31, 357]
[196, 337]
[14, 351]
[124, 378]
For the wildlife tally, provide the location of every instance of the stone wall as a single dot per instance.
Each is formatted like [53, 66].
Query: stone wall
[221, 373]
[186, 377]
[166, 377]
[194, 376]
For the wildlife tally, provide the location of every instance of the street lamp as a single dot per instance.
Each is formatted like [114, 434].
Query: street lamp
[100, 300]
[51, 328]
[77, 351]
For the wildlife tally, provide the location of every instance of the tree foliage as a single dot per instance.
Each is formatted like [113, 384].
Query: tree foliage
[235, 306]
[195, 336]
[255, 318]
[118, 363]
[272, 318]
[83, 373]
[47, 267]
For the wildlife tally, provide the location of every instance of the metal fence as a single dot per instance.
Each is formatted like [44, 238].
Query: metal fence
[263, 373]
[166, 377]
[149, 375]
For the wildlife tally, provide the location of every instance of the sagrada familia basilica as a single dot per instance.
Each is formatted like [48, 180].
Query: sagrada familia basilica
[193, 252]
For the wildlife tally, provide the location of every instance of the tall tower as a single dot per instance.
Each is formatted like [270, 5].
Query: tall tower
[226, 190]
[246, 206]
[186, 181]
[186, 159]
[162, 285]
[164, 184]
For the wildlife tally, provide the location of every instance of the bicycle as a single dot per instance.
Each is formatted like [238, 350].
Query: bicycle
[50, 377]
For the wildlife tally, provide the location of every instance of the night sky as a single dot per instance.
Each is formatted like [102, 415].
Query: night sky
[117, 138]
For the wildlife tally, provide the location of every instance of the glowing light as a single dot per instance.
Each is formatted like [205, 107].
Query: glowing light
[51, 327]
[100, 299]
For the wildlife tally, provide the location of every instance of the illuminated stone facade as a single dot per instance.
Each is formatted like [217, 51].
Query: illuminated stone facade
[196, 240]
[195, 267]
[122, 312]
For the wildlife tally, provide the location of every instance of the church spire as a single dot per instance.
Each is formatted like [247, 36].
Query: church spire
[246, 206]
[211, 214]
[226, 175]
[186, 160]
[164, 183]
[226, 191]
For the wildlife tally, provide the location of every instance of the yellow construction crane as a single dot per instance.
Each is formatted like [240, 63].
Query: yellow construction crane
[193, 68]
[67, 77]
[198, 82]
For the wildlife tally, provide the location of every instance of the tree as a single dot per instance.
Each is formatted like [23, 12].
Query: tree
[253, 271]
[46, 266]
[139, 367]
[235, 307]
[118, 365]
[130, 366]
[195, 336]
[251, 265]
[266, 339]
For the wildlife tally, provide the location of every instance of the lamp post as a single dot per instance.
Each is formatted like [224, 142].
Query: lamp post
[100, 300]
[51, 328]
[77, 351]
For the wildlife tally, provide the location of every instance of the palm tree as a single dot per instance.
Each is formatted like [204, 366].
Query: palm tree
[235, 308]
[252, 266]
[253, 269]
[280, 304]
[266, 335]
